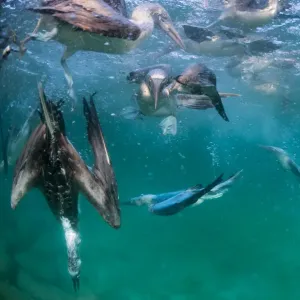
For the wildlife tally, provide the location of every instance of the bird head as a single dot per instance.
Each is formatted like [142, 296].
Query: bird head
[163, 20]
[156, 79]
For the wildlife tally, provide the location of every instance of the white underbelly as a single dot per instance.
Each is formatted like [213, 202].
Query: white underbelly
[216, 48]
[166, 106]
[255, 19]
[78, 40]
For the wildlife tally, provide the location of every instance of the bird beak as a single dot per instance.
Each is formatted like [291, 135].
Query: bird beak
[155, 90]
[168, 27]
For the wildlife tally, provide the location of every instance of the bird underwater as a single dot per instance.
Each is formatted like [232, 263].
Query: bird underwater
[162, 93]
[286, 162]
[99, 27]
[245, 40]
[50, 163]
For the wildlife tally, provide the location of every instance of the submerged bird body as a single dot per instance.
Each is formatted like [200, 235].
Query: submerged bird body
[161, 95]
[249, 14]
[201, 41]
[224, 42]
[99, 27]
[150, 100]
[153, 97]
[284, 159]
[267, 74]
[50, 162]
[80, 40]
[216, 48]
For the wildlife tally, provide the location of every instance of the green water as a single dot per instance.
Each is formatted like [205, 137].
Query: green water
[243, 246]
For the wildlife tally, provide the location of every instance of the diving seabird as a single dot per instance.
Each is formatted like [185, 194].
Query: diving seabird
[50, 162]
[249, 13]
[221, 42]
[149, 98]
[286, 162]
[224, 42]
[269, 74]
[154, 97]
[98, 27]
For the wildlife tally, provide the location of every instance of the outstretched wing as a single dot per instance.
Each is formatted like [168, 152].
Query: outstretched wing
[29, 165]
[94, 16]
[198, 34]
[99, 185]
[96, 139]
[217, 102]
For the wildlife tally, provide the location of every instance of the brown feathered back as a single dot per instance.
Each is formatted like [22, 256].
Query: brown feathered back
[94, 16]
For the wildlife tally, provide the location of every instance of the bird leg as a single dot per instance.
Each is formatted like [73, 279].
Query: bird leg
[36, 35]
[68, 53]
[44, 37]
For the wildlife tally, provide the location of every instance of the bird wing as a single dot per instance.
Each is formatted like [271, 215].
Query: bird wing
[94, 16]
[198, 34]
[29, 165]
[96, 139]
[197, 76]
[98, 185]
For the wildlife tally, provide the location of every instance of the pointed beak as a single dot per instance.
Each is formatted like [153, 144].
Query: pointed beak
[155, 88]
[169, 28]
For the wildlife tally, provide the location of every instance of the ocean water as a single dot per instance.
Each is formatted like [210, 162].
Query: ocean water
[243, 246]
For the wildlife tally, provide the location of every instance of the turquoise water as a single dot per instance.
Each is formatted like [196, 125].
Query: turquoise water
[243, 246]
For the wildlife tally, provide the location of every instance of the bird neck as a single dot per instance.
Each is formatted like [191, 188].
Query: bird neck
[142, 17]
